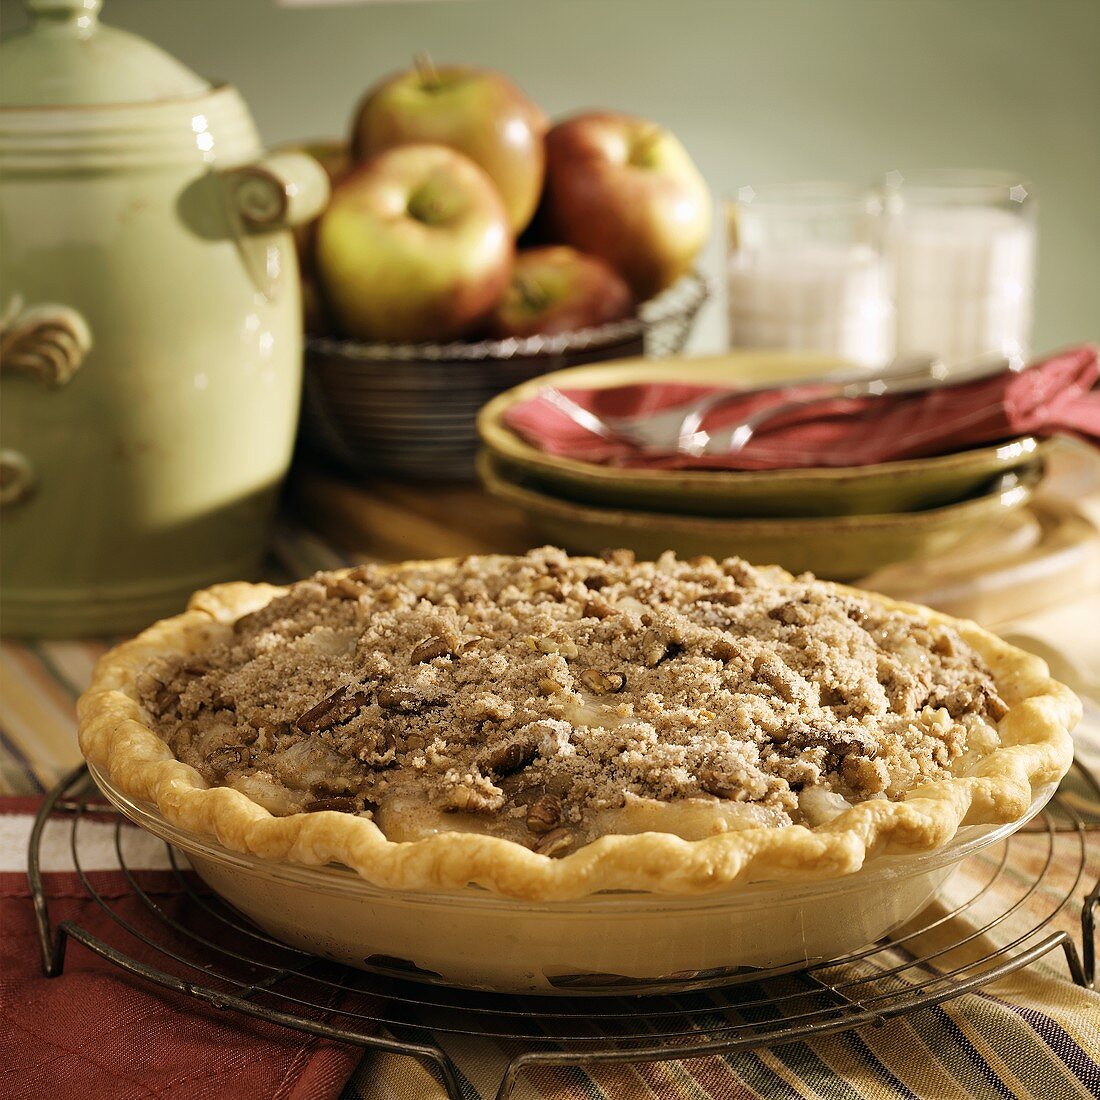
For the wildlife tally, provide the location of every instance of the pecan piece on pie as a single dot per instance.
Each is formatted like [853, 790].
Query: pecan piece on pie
[512, 757]
[838, 742]
[995, 706]
[554, 842]
[658, 651]
[731, 788]
[771, 670]
[379, 750]
[438, 645]
[403, 699]
[343, 805]
[333, 710]
[544, 814]
[596, 607]
[225, 757]
[724, 649]
[602, 683]
[792, 613]
[732, 598]
[344, 588]
[622, 558]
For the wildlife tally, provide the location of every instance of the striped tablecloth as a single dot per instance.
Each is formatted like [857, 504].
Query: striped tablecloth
[1033, 1034]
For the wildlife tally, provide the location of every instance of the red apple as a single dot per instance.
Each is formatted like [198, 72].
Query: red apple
[625, 190]
[414, 246]
[476, 111]
[559, 289]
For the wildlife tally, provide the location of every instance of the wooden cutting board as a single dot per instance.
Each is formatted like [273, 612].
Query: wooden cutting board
[1037, 557]
[1043, 555]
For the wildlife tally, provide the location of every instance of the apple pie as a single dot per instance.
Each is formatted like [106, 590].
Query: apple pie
[547, 726]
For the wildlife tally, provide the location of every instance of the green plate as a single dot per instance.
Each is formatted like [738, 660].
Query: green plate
[887, 487]
[838, 547]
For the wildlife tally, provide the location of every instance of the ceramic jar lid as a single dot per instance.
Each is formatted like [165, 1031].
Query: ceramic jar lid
[67, 58]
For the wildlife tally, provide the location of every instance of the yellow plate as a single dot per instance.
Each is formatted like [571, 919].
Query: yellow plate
[887, 487]
[840, 547]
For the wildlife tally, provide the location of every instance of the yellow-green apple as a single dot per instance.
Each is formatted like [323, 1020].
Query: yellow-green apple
[477, 111]
[558, 289]
[625, 189]
[414, 246]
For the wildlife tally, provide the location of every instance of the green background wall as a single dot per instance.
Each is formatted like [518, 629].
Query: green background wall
[759, 90]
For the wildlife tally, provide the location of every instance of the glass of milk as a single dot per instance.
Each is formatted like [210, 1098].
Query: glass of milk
[806, 272]
[961, 252]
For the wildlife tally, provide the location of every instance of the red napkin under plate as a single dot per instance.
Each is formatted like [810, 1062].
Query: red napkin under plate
[1055, 396]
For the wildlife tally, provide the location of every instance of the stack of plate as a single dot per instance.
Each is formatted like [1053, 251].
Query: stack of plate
[841, 523]
[410, 409]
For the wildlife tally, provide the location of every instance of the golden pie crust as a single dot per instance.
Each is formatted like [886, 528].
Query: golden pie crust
[1036, 749]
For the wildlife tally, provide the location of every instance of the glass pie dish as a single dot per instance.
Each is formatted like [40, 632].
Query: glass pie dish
[610, 943]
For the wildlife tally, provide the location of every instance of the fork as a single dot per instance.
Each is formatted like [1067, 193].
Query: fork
[932, 374]
[680, 428]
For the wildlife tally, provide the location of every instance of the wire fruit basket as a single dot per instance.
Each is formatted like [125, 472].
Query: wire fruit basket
[1004, 923]
[410, 409]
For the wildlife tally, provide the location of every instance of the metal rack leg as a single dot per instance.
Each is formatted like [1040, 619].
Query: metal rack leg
[51, 944]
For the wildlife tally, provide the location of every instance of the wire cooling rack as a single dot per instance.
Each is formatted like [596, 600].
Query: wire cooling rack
[216, 956]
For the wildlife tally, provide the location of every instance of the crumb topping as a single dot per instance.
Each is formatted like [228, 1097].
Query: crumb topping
[550, 699]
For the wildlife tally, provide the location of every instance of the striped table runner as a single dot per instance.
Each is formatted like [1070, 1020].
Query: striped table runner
[1033, 1034]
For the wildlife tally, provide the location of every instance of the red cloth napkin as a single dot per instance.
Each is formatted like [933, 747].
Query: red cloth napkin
[95, 1031]
[1055, 396]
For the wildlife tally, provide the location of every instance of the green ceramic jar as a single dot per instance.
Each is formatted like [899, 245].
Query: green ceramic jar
[149, 327]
